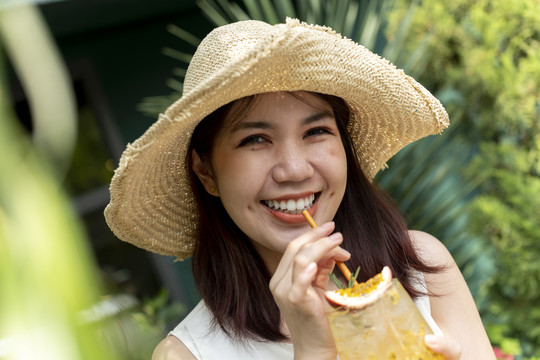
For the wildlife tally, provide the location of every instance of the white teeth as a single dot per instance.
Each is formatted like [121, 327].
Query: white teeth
[291, 206]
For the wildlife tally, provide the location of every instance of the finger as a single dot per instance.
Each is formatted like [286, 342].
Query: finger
[444, 346]
[293, 247]
[322, 249]
[327, 265]
[310, 236]
[319, 252]
[324, 268]
[299, 291]
[326, 248]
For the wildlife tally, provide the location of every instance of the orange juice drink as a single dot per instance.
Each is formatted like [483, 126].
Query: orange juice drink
[389, 327]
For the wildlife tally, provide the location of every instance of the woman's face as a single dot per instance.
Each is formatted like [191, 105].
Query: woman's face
[282, 156]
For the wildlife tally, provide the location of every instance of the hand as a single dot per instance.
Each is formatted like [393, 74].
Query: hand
[444, 346]
[298, 287]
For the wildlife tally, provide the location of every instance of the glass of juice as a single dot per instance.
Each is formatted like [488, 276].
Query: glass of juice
[390, 327]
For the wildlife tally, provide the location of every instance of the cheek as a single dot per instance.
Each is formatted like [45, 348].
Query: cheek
[334, 161]
[336, 173]
[338, 153]
[341, 159]
[236, 176]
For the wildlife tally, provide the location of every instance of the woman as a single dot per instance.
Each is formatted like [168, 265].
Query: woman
[273, 120]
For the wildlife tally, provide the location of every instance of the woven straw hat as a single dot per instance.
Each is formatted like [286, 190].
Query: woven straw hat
[152, 205]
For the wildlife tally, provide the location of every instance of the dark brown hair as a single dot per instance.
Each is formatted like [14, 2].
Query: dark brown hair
[233, 279]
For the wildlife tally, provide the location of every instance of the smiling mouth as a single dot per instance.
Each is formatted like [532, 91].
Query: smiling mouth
[291, 206]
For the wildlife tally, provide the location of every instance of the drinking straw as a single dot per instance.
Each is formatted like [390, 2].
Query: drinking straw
[341, 265]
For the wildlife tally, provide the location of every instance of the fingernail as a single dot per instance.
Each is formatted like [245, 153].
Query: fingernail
[328, 225]
[336, 237]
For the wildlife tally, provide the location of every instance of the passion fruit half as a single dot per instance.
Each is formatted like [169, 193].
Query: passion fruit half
[362, 294]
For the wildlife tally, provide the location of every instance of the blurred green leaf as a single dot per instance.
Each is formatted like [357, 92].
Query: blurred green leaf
[46, 272]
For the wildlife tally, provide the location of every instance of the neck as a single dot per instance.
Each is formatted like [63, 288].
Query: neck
[270, 258]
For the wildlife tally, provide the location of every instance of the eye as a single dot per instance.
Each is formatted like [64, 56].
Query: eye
[252, 140]
[318, 131]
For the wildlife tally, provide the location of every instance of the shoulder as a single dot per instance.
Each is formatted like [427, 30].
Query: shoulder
[430, 249]
[433, 253]
[171, 348]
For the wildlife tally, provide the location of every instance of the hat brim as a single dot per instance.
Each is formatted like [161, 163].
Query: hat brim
[152, 204]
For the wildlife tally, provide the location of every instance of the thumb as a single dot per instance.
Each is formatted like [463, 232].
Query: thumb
[444, 346]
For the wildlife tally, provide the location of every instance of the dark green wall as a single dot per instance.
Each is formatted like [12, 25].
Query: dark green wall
[122, 41]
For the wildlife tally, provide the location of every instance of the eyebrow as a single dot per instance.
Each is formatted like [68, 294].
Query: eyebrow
[241, 125]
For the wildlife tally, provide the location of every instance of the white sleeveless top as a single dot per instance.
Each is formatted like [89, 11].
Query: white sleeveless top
[208, 343]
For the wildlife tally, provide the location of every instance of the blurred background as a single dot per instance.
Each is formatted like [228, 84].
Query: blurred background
[81, 78]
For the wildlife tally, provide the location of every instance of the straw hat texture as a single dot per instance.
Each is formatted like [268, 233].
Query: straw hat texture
[152, 205]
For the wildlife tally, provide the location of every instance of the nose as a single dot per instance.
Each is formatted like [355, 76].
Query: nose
[292, 164]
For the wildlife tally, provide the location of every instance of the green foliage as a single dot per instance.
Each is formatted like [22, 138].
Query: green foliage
[51, 303]
[153, 319]
[507, 213]
[488, 53]
[131, 328]
[91, 166]
[508, 345]
[488, 50]
[46, 273]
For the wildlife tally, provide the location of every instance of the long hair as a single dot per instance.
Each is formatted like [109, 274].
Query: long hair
[231, 276]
